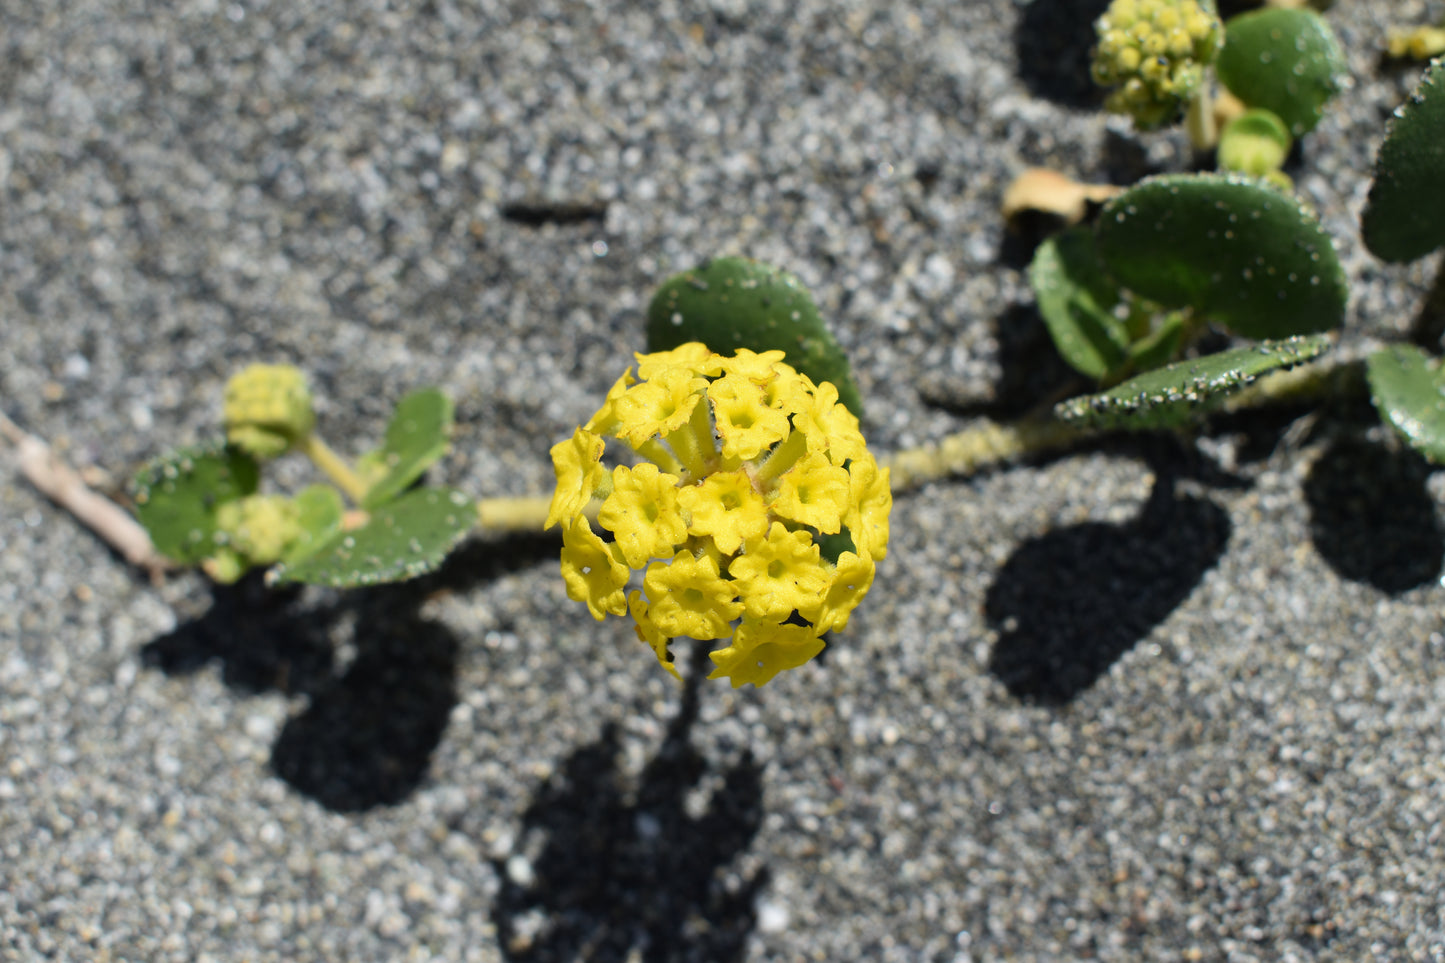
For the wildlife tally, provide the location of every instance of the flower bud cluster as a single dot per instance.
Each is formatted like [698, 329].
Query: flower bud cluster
[746, 465]
[267, 409]
[253, 531]
[1153, 53]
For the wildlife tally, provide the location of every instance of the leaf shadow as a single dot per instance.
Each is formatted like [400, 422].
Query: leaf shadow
[1068, 604]
[265, 639]
[366, 737]
[626, 872]
[1053, 42]
[1372, 518]
[371, 723]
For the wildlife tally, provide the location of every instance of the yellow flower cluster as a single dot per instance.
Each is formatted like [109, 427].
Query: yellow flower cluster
[748, 463]
[1153, 52]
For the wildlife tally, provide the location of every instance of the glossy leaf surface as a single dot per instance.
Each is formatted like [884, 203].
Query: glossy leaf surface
[1174, 395]
[1242, 254]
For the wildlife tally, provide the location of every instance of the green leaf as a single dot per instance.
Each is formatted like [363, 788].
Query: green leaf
[1286, 61]
[176, 497]
[418, 434]
[321, 513]
[403, 539]
[1404, 216]
[1161, 344]
[1240, 253]
[1172, 396]
[733, 302]
[1075, 297]
[1409, 391]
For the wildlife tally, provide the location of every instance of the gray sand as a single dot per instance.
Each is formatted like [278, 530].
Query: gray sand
[1137, 702]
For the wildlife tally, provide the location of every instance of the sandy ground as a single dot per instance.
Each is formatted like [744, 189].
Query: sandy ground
[1149, 700]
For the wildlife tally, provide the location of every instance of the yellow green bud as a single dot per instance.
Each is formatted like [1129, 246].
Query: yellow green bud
[1256, 142]
[260, 528]
[226, 566]
[267, 409]
[1152, 52]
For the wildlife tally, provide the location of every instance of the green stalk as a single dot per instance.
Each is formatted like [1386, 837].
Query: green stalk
[333, 466]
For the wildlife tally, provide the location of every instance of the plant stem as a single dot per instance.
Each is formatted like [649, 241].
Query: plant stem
[1199, 119]
[526, 514]
[334, 467]
[987, 443]
[1328, 377]
[44, 469]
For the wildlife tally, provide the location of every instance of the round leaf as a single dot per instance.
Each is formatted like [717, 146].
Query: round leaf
[734, 302]
[1404, 217]
[176, 497]
[321, 511]
[1242, 254]
[404, 538]
[1075, 296]
[1286, 61]
[1409, 391]
[1172, 396]
[418, 434]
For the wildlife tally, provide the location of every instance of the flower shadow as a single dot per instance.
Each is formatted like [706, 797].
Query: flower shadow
[1068, 604]
[625, 871]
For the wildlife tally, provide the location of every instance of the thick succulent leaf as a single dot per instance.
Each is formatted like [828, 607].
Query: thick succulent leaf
[321, 513]
[1409, 391]
[733, 302]
[1286, 61]
[1075, 297]
[403, 539]
[418, 434]
[1242, 254]
[1404, 217]
[176, 497]
[1172, 396]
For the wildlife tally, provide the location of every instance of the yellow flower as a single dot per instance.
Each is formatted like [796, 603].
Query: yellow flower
[606, 418]
[727, 508]
[648, 632]
[851, 581]
[761, 650]
[813, 493]
[659, 405]
[690, 598]
[578, 463]
[592, 570]
[780, 574]
[870, 501]
[747, 425]
[642, 512]
[726, 540]
[760, 369]
[828, 426]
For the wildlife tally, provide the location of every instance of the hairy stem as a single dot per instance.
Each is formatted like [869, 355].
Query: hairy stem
[336, 468]
[985, 444]
[527, 513]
